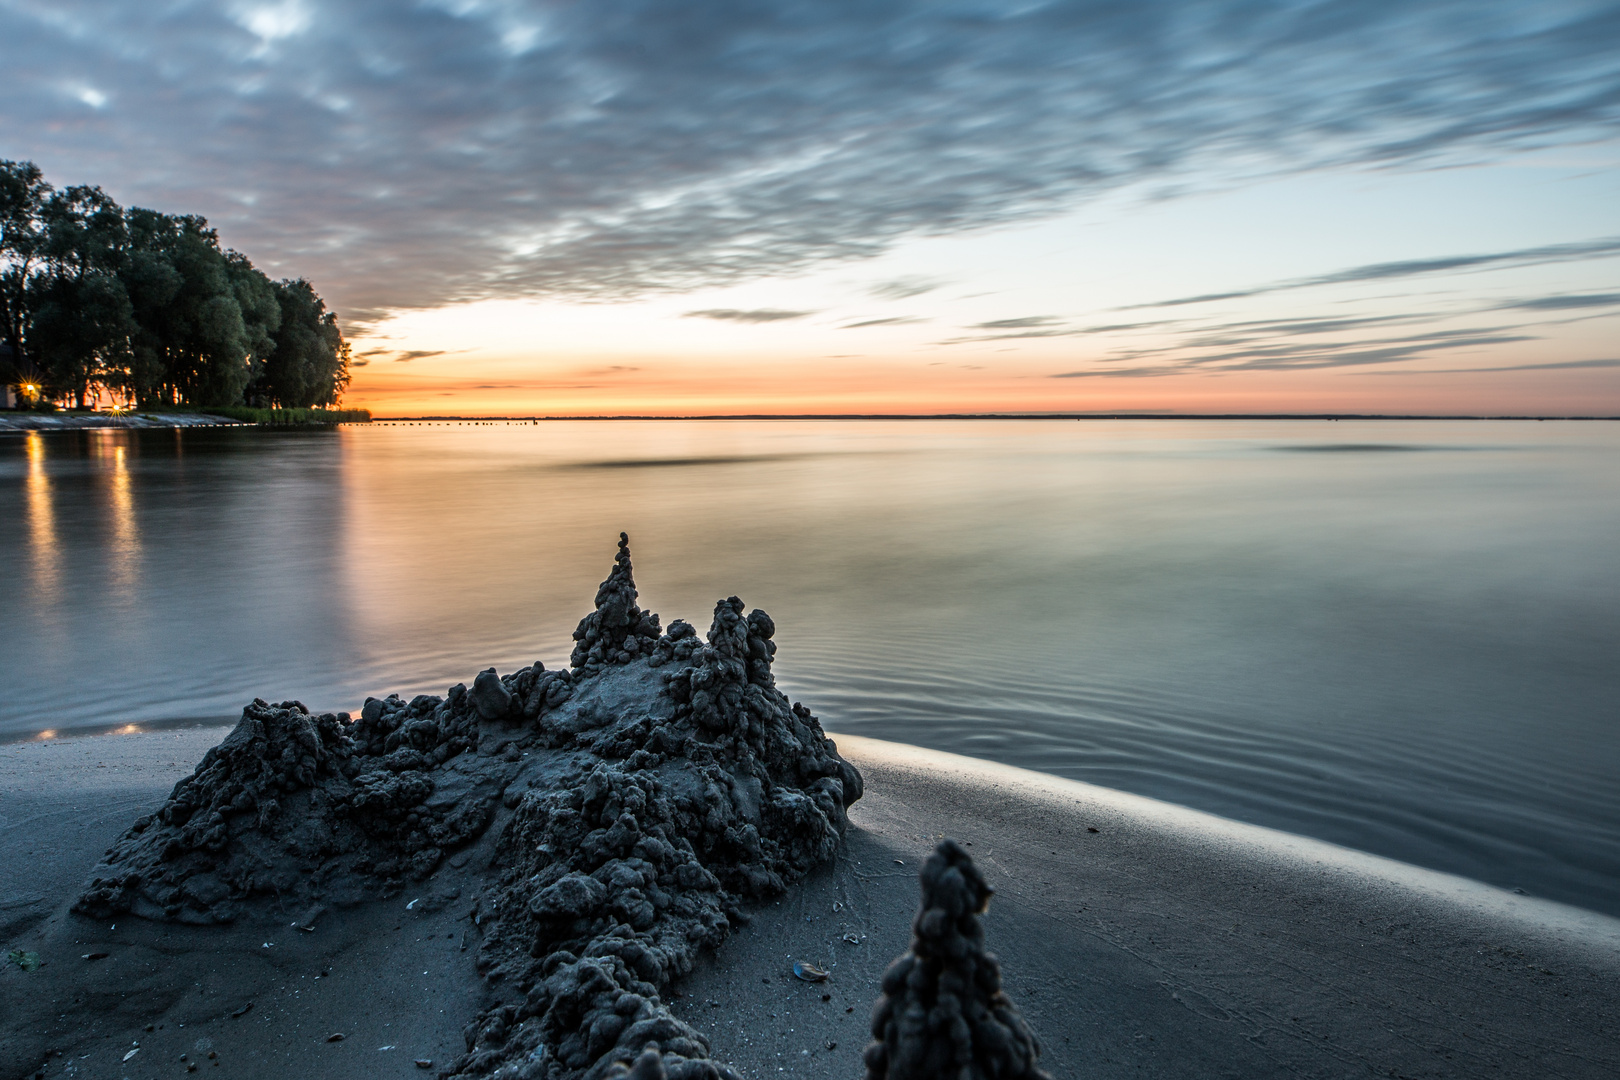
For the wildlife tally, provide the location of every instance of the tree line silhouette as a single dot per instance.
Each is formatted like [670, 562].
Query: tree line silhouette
[148, 306]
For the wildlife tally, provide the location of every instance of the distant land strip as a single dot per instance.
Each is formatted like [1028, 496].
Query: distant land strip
[991, 416]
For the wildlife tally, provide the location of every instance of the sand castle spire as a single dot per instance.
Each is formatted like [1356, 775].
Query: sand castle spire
[942, 1014]
[602, 635]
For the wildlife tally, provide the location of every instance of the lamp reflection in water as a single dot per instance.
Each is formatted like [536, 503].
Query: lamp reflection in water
[44, 549]
[126, 540]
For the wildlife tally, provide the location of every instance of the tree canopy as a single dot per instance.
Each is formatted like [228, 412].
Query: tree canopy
[148, 306]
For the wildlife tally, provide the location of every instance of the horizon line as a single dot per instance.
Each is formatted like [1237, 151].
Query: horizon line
[1127, 415]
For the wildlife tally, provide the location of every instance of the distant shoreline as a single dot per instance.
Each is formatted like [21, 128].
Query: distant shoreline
[981, 416]
[24, 421]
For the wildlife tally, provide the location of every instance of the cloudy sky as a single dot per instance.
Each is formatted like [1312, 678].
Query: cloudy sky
[882, 206]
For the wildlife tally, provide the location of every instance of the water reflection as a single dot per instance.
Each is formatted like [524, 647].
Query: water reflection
[44, 551]
[1408, 653]
[124, 550]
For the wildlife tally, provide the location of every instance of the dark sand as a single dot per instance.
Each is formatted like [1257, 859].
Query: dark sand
[1167, 943]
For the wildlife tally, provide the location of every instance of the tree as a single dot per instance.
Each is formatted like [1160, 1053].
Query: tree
[147, 302]
[261, 309]
[309, 364]
[82, 315]
[195, 343]
[23, 192]
[151, 282]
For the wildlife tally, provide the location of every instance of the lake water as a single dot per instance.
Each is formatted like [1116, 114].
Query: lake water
[1399, 636]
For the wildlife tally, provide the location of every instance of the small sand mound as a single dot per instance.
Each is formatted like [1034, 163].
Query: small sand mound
[942, 1014]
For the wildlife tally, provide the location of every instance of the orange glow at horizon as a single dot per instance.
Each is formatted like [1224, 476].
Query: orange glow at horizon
[473, 387]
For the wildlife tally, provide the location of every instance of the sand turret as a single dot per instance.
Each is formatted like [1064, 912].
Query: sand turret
[943, 1014]
[617, 631]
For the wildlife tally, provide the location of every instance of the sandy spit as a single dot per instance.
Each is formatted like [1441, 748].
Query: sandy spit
[25, 421]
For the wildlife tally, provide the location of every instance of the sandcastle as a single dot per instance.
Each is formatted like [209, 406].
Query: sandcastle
[639, 798]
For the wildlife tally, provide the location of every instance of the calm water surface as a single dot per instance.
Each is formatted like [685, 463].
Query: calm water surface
[1399, 636]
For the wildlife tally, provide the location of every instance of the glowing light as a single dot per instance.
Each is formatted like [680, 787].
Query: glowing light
[42, 542]
[48, 733]
[125, 550]
[128, 729]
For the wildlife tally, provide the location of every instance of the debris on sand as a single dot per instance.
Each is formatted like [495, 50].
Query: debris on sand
[942, 1013]
[634, 803]
[27, 961]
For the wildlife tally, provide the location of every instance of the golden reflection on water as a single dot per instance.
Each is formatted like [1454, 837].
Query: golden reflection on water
[44, 549]
[124, 563]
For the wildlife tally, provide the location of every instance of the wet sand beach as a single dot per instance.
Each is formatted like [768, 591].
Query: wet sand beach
[1165, 943]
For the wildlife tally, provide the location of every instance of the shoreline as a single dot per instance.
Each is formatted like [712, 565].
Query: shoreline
[1168, 942]
[22, 421]
[982, 416]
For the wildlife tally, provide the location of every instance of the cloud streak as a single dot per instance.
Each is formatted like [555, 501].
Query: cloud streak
[1604, 248]
[1563, 303]
[894, 320]
[759, 315]
[1555, 365]
[1214, 346]
[904, 288]
[413, 155]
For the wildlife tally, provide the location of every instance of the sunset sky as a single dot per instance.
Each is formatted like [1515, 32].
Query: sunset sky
[780, 207]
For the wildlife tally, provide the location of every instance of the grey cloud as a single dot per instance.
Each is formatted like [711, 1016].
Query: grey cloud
[1009, 337]
[897, 320]
[1124, 372]
[416, 354]
[1555, 365]
[1282, 350]
[1330, 325]
[1563, 303]
[760, 315]
[1116, 328]
[1024, 323]
[1285, 358]
[1083, 331]
[1038, 326]
[904, 288]
[410, 155]
[1604, 248]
